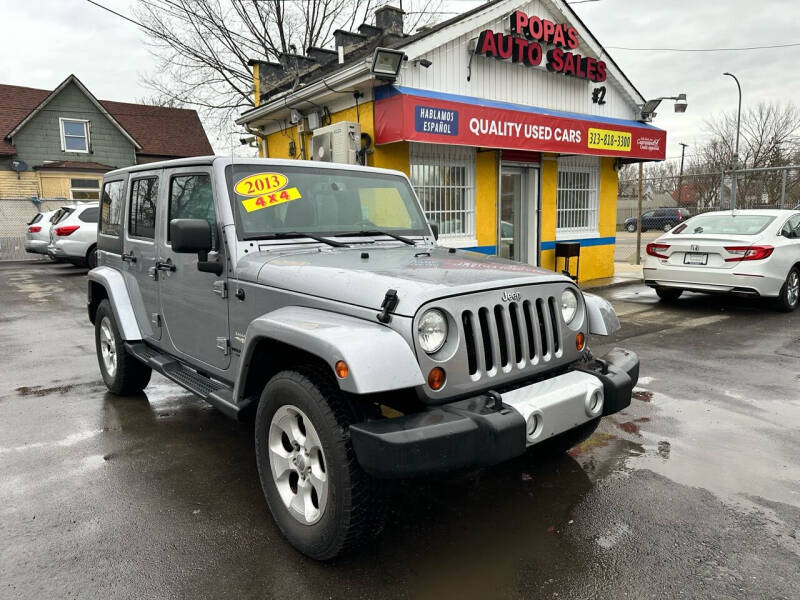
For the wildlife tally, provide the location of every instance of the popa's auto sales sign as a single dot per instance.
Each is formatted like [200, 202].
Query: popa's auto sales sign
[425, 116]
[524, 46]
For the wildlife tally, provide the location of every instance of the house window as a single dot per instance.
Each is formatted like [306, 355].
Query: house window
[84, 189]
[578, 196]
[444, 179]
[74, 135]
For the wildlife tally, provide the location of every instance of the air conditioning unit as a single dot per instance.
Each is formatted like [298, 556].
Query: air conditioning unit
[339, 143]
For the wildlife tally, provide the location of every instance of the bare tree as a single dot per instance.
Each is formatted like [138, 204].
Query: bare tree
[204, 46]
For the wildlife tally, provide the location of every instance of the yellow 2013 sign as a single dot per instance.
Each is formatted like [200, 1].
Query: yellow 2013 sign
[261, 183]
[265, 189]
[607, 139]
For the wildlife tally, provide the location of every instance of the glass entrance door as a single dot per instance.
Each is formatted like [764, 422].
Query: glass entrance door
[517, 213]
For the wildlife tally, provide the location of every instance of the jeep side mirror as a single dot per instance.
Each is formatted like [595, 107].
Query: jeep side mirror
[191, 236]
[435, 230]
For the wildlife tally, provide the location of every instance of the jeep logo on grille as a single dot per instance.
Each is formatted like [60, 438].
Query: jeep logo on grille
[509, 296]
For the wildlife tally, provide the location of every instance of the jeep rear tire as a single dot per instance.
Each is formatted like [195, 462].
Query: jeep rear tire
[319, 496]
[123, 374]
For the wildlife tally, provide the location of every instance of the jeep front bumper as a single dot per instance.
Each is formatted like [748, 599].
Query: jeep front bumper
[478, 431]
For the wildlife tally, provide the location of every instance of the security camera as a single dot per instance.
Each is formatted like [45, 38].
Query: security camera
[425, 63]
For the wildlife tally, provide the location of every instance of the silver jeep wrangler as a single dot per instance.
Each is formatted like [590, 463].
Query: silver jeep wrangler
[314, 299]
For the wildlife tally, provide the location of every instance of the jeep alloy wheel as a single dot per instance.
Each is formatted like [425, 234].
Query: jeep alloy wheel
[122, 373]
[108, 347]
[297, 461]
[320, 498]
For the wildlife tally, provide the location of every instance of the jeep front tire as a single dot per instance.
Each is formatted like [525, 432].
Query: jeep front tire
[123, 374]
[318, 494]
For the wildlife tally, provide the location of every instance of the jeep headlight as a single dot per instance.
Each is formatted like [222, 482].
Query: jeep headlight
[432, 330]
[569, 305]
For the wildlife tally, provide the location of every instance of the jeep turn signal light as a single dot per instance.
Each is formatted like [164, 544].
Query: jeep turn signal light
[436, 378]
[341, 369]
[580, 341]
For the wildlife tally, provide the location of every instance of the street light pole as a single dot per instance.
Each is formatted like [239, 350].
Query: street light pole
[736, 150]
[680, 177]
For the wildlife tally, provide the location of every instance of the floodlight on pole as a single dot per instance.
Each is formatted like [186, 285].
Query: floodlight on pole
[648, 110]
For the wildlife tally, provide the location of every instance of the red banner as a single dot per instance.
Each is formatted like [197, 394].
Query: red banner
[402, 114]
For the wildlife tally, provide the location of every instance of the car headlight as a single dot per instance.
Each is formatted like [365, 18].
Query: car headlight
[432, 330]
[569, 305]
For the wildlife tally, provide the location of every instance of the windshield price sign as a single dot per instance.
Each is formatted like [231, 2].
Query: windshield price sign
[608, 139]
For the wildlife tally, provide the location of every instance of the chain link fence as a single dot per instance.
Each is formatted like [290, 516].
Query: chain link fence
[15, 214]
[696, 193]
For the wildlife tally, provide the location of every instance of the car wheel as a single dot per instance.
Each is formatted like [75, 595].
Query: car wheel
[669, 294]
[91, 257]
[790, 291]
[667, 226]
[123, 374]
[319, 496]
[631, 228]
[561, 443]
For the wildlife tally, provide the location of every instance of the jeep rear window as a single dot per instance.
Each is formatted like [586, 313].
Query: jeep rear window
[271, 199]
[725, 224]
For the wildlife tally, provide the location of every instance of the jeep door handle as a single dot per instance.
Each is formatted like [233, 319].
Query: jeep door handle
[129, 257]
[165, 265]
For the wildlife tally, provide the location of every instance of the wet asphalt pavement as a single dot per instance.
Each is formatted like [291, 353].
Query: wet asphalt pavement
[691, 492]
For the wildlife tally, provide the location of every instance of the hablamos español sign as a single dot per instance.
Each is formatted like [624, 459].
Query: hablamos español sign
[524, 45]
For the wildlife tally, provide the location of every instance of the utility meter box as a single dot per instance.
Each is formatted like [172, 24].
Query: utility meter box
[339, 143]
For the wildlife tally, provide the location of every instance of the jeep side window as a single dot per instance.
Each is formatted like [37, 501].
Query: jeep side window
[142, 218]
[191, 197]
[111, 207]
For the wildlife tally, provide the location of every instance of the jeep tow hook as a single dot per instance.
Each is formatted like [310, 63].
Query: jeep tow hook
[387, 306]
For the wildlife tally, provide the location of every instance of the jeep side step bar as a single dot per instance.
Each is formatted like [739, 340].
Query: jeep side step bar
[217, 394]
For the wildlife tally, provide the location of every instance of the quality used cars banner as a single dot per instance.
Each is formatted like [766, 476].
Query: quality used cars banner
[423, 116]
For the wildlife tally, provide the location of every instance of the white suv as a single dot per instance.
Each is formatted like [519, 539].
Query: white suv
[74, 236]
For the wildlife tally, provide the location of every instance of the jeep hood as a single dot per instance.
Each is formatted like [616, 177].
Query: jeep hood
[418, 274]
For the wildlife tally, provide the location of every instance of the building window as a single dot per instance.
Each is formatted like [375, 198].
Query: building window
[444, 179]
[578, 196]
[74, 135]
[144, 196]
[84, 189]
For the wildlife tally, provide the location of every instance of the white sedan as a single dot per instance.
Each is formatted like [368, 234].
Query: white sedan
[748, 252]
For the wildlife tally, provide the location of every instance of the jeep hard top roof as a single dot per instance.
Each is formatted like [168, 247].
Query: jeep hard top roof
[230, 160]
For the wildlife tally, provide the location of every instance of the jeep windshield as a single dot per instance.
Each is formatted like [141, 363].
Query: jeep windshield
[272, 201]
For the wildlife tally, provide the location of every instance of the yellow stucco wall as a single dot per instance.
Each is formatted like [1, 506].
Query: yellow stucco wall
[596, 261]
[486, 198]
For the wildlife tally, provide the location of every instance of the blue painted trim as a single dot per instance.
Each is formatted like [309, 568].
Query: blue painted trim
[483, 249]
[585, 243]
[388, 91]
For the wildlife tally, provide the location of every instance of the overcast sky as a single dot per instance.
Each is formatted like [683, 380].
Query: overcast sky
[51, 38]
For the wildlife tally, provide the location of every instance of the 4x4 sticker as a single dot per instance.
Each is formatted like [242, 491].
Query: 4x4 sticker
[265, 200]
[266, 189]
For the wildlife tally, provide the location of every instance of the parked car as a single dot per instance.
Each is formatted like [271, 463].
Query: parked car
[314, 297]
[660, 218]
[37, 234]
[73, 237]
[748, 252]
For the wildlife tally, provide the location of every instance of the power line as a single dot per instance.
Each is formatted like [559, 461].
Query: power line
[743, 48]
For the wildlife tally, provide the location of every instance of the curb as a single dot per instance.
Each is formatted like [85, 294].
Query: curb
[613, 284]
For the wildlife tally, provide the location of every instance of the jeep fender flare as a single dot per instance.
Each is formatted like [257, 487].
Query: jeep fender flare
[601, 315]
[114, 284]
[379, 359]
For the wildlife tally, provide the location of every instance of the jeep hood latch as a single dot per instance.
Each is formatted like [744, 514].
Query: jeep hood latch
[387, 306]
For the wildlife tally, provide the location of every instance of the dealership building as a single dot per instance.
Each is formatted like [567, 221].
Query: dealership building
[510, 120]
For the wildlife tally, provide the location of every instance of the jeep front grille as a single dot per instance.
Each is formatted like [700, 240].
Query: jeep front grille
[503, 336]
